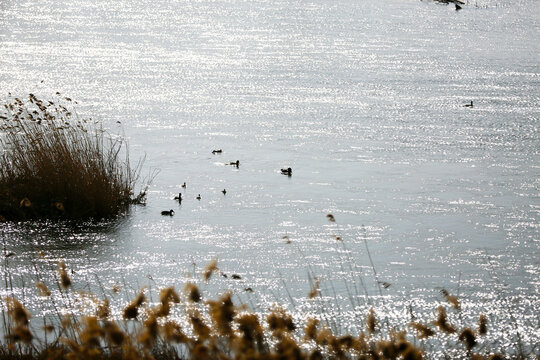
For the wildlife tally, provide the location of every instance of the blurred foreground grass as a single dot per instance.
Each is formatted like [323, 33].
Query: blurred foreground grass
[183, 324]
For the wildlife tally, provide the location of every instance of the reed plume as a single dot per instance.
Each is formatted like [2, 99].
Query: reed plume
[42, 288]
[210, 269]
[468, 338]
[222, 313]
[192, 291]
[423, 331]
[482, 325]
[65, 280]
[371, 321]
[442, 321]
[451, 299]
[132, 310]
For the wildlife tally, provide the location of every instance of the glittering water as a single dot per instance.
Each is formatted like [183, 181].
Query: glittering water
[363, 99]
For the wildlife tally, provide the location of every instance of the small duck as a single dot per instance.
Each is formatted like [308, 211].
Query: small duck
[184, 185]
[168, 212]
[218, 151]
[224, 191]
[287, 171]
[179, 197]
[469, 105]
[198, 197]
[235, 163]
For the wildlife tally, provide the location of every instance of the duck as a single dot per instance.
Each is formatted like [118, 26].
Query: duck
[224, 191]
[469, 105]
[235, 163]
[198, 197]
[184, 185]
[218, 151]
[179, 197]
[168, 212]
[287, 171]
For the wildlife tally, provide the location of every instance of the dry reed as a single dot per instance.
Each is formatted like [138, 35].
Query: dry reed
[56, 165]
[213, 329]
[191, 327]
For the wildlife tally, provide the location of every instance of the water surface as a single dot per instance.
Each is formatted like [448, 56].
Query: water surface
[363, 99]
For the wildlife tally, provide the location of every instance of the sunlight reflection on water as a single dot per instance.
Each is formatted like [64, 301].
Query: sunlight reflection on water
[364, 100]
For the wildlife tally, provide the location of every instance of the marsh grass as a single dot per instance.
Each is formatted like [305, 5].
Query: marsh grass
[186, 325]
[75, 323]
[55, 165]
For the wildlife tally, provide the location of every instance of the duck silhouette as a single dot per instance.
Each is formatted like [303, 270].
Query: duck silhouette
[184, 185]
[179, 197]
[287, 171]
[198, 197]
[235, 163]
[218, 151]
[469, 105]
[168, 212]
[224, 191]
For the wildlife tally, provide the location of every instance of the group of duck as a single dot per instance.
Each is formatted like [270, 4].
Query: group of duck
[285, 171]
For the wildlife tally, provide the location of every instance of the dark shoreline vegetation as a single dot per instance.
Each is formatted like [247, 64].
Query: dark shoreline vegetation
[55, 165]
[187, 325]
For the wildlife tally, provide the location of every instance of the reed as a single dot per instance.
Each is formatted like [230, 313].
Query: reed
[55, 165]
[187, 326]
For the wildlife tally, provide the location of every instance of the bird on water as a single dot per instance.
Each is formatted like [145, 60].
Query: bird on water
[179, 197]
[198, 197]
[224, 191]
[184, 185]
[469, 105]
[168, 212]
[287, 171]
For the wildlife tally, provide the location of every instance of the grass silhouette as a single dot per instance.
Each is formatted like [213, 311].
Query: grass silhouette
[56, 165]
[186, 325]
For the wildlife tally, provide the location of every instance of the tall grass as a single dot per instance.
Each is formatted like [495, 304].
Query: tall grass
[55, 165]
[186, 325]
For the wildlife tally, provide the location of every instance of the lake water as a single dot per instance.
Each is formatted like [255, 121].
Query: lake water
[362, 99]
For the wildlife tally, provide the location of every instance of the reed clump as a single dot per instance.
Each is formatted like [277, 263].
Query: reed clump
[55, 165]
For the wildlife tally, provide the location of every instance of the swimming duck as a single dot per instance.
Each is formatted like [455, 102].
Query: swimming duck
[168, 212]
[287, 171]
[218, 151]
[224, 191]
[179, 197]
[198, 197]
[469, 105]
[184, 185]
[235, 163]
